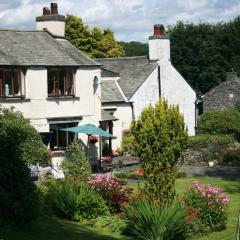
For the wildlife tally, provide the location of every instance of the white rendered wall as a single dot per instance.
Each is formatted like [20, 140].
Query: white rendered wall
[124, 115]
[159, 49]
[57, 28]
[38, 107]
[177, 91]
[147, 94]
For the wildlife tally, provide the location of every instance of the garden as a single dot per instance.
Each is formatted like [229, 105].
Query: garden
[154, 202]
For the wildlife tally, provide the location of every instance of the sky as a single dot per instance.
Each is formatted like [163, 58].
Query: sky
[130, 20]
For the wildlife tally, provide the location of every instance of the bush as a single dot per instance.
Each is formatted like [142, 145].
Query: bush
[74, 201]
[207, 207]
[148, 220]
[237, 105]
[128, 141]
[182, 175]
[231, 156]
[76, 163]
[223, 122]
[205, 140]
[20, 144]
[112, 190]
[160, 137]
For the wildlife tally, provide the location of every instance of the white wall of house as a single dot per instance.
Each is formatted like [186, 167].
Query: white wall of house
[57, 28]
[124, 115]
[38, 107]
[147, 94]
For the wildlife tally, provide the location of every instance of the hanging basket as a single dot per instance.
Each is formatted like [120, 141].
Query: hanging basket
[93, 139]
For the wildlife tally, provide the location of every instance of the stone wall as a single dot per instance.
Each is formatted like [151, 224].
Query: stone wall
[223, 96]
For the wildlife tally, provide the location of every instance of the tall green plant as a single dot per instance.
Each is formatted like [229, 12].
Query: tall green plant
[76, 163]
[148, 220]
[160, 136]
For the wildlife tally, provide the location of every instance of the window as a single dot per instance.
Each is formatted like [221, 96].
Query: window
[11, 83]
[61, 139]
[60, 82]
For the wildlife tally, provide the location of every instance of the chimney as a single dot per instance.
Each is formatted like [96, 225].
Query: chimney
[46, 11]
[52, 21]
[159, 30]
[54, 8]
[231, 76]
[159, 45]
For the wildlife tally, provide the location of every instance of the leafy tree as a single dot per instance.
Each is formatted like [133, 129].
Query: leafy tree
[204, 52]
[94, 43]
[160, 136]
[18, 195]
[75, 163]
[135, 48]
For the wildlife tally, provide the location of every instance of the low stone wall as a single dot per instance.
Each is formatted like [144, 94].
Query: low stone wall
[193, 157]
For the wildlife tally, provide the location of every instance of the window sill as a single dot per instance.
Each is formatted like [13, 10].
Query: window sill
[60, 98]
[15, 98]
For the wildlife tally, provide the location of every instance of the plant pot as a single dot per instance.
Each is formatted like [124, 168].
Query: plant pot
[211, 163]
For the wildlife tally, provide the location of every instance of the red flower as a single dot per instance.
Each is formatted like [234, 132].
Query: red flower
[139, 171]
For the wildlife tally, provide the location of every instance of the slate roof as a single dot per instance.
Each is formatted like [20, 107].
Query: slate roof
[38, 48]
[111, 92]
[106, 116]
[133, 71]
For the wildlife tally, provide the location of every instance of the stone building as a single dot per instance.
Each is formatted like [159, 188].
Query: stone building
[224, 95]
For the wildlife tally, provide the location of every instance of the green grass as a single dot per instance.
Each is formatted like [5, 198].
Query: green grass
[50, 228]
[55, 229]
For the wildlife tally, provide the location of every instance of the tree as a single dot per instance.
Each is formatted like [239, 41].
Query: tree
[160, 136]
[19, 144]
[135, 48]
[75, 163]
[94, 43]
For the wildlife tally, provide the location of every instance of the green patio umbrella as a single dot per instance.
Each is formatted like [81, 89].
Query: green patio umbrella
[88, 129]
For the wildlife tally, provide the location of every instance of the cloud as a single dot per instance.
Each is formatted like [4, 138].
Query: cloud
[129, 19]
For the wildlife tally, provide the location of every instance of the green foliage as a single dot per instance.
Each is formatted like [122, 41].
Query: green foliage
[222, 122]
[160, 137]
[18, 195]
[128, 142]
[95, 43]
[110, 222]
[204, 52]
[182, 175]
[237, 105]
[231, 156]
[73, 201]
[204, 140]
[135, 48]
[76, 163]
[148, 220]
[207, 208]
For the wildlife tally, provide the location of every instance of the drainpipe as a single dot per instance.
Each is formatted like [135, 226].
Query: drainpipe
[132, 107]
[159, 82]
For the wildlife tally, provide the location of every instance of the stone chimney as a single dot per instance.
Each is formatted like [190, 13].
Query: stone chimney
[231, 76]
[52, 21]
[159, 45]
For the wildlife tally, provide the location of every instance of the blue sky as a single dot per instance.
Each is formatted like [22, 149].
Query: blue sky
[129, 19]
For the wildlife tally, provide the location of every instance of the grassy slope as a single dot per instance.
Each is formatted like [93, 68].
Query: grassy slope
[55, 229]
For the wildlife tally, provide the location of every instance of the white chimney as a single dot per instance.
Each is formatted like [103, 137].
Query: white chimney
[159, 45]
[52, 21]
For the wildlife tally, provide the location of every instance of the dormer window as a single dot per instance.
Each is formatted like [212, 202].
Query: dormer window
[11, 83]
[60, 82]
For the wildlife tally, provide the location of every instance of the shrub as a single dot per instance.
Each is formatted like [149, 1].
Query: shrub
[149, 220]
[110, 222]
[204, 140]
[160, 136]
[76, 163]
[128, 142]
[182, 175]
[73, 201]
[207, 207]
[113, 190]
[237, 105]
[223, 122]
[231, 156]
[19, 142]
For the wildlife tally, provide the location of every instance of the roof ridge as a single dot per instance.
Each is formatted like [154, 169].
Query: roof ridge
[20, 30]
[123, 58]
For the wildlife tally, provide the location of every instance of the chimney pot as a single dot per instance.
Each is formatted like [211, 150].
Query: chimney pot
[46, 11]
[54, 8]
[158, 30]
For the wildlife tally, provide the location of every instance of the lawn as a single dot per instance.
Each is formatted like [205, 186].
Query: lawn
[55, 229]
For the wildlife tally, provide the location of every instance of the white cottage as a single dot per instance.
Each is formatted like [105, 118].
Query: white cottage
[130, 84]
[50, 81]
